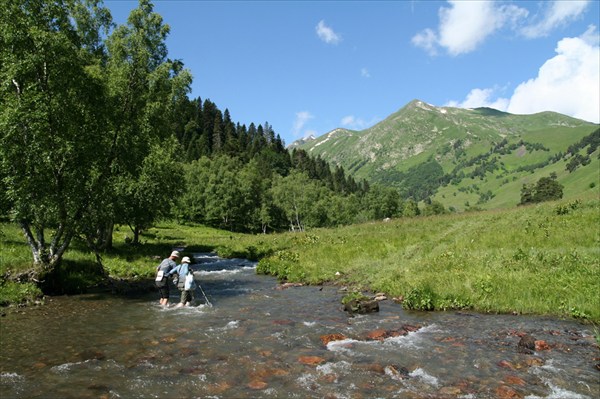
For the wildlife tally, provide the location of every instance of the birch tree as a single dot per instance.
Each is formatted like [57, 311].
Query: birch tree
[53, 141]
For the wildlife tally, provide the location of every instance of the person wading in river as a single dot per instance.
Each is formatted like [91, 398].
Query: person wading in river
[162, 272]
[185, 282]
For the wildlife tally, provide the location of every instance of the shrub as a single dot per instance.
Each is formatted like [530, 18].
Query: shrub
[420, 299]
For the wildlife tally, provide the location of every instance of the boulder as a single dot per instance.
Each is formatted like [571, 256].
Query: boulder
[526, 344]
[362, 306]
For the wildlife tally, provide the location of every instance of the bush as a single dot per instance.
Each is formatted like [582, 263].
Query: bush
[420, 299]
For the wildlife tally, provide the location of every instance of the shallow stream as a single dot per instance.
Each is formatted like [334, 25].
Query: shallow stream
[261, 341]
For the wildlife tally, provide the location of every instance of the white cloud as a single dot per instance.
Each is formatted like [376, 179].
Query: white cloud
[327, 34]
[427, 40]
[466, 24]
[354, 123]
[364, 72]
[567, 83]
[302, 118]
[481, 98]
[556, 13]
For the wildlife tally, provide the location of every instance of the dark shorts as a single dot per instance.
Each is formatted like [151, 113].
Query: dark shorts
[164, 291]
[187, 296]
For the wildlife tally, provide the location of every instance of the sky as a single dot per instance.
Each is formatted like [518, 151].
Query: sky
[308, 67]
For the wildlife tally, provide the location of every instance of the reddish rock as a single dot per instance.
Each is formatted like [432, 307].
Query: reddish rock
[396, 333]
[217, 388]
[380, 334]
[279, 372]
[514, 380]
[257, 384]
[506, 364]
[311, 360]
[377, 368]
[329, 378]
[504, 392]
[332, 337]
[410, 328]
[376, 335]
[534, 361]
[541, 345]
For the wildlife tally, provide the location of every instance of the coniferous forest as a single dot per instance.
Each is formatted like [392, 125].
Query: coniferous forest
[244, 179]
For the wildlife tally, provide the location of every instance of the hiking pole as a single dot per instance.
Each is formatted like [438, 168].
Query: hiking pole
[205, 298]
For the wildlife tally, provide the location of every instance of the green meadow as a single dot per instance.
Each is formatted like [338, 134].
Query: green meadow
[539, 259]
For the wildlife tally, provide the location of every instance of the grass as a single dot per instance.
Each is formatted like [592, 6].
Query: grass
[541, 259]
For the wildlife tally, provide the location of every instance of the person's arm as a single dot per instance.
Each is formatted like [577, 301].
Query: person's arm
[174, 270]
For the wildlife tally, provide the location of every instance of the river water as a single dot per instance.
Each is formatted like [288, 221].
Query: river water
[258, 340]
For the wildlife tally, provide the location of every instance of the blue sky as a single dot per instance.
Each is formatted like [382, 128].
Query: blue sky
[308, 67]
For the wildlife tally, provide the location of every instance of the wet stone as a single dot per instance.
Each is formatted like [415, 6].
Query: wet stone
[327, 338]
[504, 392]
[506, 364]
[526, 344]
[311, 360]
[257, 385]
[514, 380]
[541, 345]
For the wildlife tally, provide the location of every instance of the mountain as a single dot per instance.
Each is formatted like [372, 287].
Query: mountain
[465, 158]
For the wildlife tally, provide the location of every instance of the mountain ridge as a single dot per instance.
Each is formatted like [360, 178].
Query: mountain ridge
[419, 138]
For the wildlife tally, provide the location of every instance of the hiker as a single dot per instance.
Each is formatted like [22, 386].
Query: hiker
[185, 282]
[162, 272]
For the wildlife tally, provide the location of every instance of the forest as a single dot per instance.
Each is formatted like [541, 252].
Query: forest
[97, 130]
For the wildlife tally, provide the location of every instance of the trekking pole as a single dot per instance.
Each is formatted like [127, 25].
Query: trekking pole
[205, 298]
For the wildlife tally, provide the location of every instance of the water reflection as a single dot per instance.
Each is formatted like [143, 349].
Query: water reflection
[258, 341]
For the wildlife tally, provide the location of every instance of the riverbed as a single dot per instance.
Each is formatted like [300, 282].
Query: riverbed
[261, 340]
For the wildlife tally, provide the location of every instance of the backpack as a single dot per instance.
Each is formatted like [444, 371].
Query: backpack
[189, 284]
[160, 279]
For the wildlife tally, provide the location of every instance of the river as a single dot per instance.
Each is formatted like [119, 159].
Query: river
[258, 340]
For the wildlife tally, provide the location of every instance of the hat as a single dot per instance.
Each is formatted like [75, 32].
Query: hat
[185, 260]
[175, 254]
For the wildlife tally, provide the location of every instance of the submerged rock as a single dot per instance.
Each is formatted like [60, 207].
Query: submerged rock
[311, 360]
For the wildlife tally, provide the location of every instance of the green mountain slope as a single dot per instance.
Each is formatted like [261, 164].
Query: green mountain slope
[465, 157]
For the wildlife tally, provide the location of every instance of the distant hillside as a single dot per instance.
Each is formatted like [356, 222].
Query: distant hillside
[466, 158]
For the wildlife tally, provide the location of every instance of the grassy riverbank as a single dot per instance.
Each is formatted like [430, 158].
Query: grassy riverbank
[541, 259]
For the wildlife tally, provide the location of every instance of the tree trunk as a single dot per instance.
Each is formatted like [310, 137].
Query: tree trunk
[45, 257]
[136, 235]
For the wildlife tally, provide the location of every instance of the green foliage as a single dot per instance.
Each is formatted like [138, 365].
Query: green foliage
[81, 140]
[423, 298]
[54, 142]
[546, 189]
[18, 293]
[354, 296]
[529, 262]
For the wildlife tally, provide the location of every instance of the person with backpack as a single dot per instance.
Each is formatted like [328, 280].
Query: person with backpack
[162, 273]
[185, 282]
